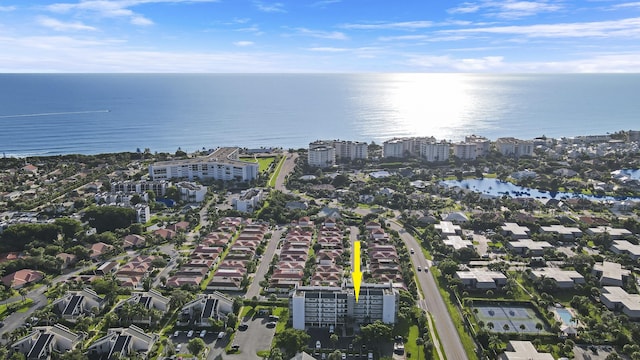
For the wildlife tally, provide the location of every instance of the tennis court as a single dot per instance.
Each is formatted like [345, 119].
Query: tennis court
[520, 319]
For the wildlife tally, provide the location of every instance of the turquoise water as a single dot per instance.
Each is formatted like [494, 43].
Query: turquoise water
[93, 113]
[565, 315]
[495, 187]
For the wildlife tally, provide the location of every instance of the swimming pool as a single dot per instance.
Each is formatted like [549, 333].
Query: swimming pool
[566, 316]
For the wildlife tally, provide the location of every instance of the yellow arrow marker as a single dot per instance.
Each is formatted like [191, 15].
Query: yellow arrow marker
[356, 274]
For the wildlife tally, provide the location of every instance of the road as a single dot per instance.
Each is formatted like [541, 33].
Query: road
[432, 299]
[287, 168]
[263, 267]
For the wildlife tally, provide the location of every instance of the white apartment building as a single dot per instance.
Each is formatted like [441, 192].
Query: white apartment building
[514, 147]
[465, 151]
[403, 147]
[321, 154]
[483, 145]
[140, 187]
[432, 151]
[143, 213]
[222, 164]
[322, 306]
[351, 149]
[248, 200]
[191, 192]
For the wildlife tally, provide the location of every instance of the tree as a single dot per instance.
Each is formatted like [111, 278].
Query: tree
[196, 346]
[376, 333]
[75, 354]
[178, 298]
[109, 218]
[292, 341]
[336, 355]
[334, 339]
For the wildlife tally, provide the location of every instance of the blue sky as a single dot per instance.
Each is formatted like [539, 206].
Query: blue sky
[319, 36]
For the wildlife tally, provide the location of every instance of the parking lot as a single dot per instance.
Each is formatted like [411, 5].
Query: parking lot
[256, 337]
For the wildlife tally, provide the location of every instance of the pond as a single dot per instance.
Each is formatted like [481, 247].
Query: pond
[630, 173]
[495, 187]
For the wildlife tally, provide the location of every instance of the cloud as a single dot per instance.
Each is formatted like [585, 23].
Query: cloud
[270, 8]
[243, 43]
[7, 8]
[114, 8]
[627, 5]
[403, 25]
[58, 25]
[602, 29]
[324, 3]
[447, 63]
[328, 49]
[510, 9]
[320, 34]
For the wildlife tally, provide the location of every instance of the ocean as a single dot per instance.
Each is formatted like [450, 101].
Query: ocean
[47, 114]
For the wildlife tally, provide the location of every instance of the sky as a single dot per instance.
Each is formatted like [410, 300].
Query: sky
[319, 36]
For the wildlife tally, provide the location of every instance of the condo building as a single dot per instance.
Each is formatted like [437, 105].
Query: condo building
[323, 306]
[222, 164]
[509, 146]
[321, 154]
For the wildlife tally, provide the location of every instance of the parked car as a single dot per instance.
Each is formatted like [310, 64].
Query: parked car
[176, 334]
[344, 356]
[221, 335]
[271, 324]
[235, 347]
[190, 333]
[203, 333]
[331, 329]
[318, 345]
[243, 327]
[419, 268]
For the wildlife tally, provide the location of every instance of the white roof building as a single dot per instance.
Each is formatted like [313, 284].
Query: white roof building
[625, 247]
[515, 231]
[447, 228]
[565, 279]
[481, 279]
[615, 298]
[523, 350]
[610, 273]
[528, 246]
[567, 233]
[615, 234]
[457, 243]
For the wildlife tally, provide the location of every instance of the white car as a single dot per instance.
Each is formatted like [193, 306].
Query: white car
[203, 333]
[190, 333]
[318, 345]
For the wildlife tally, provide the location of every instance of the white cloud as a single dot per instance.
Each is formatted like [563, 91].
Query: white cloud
[243, 43]
[402, 25]
[602, 29]
[510, 9]
[334, 35]
[447, 63]
[114, 8]
[328, 49]
[7, 8]
[323, 3]
[627, 5]
[270, 8]
[58, 25]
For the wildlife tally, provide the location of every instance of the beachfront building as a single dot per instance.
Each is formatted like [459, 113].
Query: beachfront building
[509, 146]
[222, 164]
[43, 341]
[617, 299]
[483, 145]
[323, 306]
[401, 147]
[321, 154]
[432, 151]
[465, 151]
[351, 149]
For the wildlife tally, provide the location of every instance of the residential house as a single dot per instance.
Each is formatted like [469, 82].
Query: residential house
[133, 241]
[99, 249]
[613, 233]
[617, 299]
[77, 303]
[626, 248]
[23, 277]
[515, 231]
[529, 247]
[447, 228]
[565, 233]
[210, 306]
[122, 342]
[43, 341]
[523, 350]
[565, 279]
[481, 279]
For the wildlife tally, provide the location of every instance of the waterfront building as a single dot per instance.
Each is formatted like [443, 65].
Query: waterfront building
[325, 306]
[321, 154]
[465, 151]
[191, 192]
[509, 146]
[483, 145]
[222, 164]
[140, 187]
[432, 151]
[351, 149]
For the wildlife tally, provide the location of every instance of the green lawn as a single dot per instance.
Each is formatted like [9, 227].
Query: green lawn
[263, 162]
[410, 347]
[274, 176]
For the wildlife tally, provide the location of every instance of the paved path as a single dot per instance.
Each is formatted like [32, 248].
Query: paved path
[263, 267]
[435, 304]
[286, 169]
